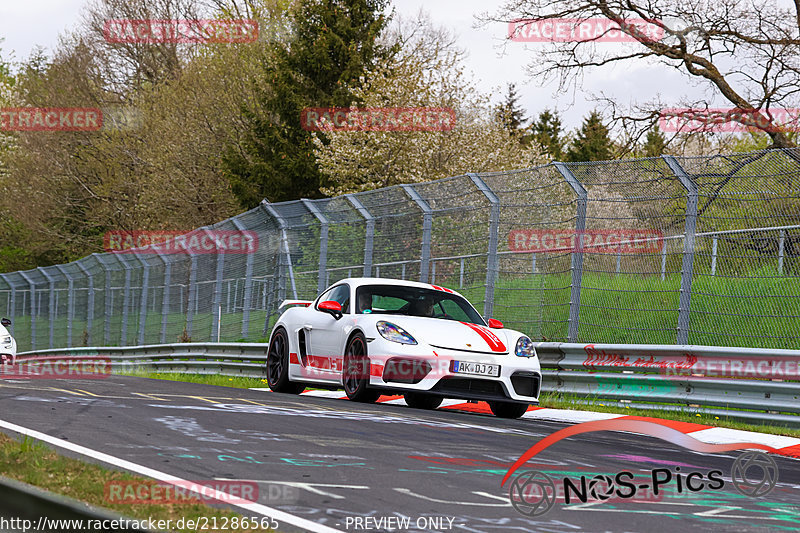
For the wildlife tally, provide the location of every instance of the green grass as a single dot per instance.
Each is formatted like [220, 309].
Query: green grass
[32, 462]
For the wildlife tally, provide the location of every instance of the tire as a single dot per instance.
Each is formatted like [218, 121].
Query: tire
[508, 409]
[278, 365]
[355, 371]
[420, 400]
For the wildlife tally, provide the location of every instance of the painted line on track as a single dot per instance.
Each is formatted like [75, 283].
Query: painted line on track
[280, 516]
[788, 446]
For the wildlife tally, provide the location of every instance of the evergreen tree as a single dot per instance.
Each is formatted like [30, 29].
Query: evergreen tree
[654, 143]
[592, 142]
[334, 42]
[547, 134]
[511, 115]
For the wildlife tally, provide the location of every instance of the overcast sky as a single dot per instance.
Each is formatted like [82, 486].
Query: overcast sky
[26, 23]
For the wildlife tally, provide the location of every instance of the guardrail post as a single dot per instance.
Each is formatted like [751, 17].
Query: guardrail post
[687, 268]
[51, 304]
[89, 301]
[248, 284]
[32, 286]
[577, 255]
[781, 246]
[70, 303]
[323, 243]
[369, 236]
[492, 266]
[427, 227]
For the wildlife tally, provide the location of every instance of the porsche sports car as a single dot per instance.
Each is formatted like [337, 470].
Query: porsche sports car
[8, 346]
[374, 336]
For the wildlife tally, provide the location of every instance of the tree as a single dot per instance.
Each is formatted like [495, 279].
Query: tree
[510, 113]
[334, 42]
[547, 134]
[655, 143]
[592, 142]
[742, 53]
[426, 71]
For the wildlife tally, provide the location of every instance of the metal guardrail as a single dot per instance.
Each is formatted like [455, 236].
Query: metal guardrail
[750, 384]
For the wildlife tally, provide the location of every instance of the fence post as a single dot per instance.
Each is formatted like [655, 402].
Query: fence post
[664, 260]
[107, 300]
[369, 236]
[165, 295]
[89, 301]
[143, 302]
[323, 242]
[781, 250]
[687, 268]
[427, 226]
[32, 286]
[248, 284]
[70, 303]
[126, 302]
[192, 295]
[577, 255]
[13, 304]
[492, 264]
[51, 305]
[216, 313]
[284, 226]
[714, 256]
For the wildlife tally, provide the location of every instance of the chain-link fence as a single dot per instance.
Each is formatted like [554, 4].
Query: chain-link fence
[694, 250]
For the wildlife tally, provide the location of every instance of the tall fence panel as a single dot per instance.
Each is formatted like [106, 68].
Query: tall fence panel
[700, 250]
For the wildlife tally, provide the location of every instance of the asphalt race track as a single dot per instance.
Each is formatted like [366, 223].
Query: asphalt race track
[336, 463]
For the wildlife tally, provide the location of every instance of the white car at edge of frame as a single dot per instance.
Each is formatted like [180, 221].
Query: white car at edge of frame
[374, 336]
[8, 345]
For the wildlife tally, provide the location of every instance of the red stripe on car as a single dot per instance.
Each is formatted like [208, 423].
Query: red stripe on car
[494, 342]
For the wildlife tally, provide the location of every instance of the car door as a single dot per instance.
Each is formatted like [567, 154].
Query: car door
[325, 335]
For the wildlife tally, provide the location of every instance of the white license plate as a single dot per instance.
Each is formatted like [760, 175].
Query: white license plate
[476, 369]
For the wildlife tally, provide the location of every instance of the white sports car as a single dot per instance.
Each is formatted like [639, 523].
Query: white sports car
[8, 346]
[374, 335]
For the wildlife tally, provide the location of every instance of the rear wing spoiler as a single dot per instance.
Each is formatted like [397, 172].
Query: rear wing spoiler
[287, 303]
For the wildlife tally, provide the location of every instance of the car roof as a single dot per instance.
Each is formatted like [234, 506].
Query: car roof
[358, 282]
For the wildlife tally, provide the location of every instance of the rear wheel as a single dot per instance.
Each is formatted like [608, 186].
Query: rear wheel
[278, 365]
[355, 373]
[508, 409]
[420, 400]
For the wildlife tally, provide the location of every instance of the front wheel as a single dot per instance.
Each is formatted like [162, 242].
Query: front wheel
[278, 365]
[355, 374]
[419, 400]
[508, 409]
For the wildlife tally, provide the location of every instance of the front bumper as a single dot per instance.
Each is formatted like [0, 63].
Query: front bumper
[519, 380]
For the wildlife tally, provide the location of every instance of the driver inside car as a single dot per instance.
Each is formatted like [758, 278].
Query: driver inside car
[424, 307]
[364, 302]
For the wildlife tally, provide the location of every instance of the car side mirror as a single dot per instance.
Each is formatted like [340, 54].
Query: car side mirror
[495, 324]
[334, 308]
[5, 322]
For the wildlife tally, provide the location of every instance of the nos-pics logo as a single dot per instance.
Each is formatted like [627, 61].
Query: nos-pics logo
[533, 493]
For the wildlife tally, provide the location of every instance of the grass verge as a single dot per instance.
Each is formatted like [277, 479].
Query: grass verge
[33, 462]
[555, 401]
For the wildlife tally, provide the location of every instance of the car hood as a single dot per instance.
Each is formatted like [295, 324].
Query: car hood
[452, 334]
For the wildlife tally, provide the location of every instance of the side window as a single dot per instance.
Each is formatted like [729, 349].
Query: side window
[453, 310]
[341, 294]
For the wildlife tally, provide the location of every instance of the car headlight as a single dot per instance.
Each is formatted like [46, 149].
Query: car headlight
[6, 340]
[525, 348]
[394, 333]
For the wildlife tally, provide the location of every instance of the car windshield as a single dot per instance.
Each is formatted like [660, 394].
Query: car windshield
[415, 301]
